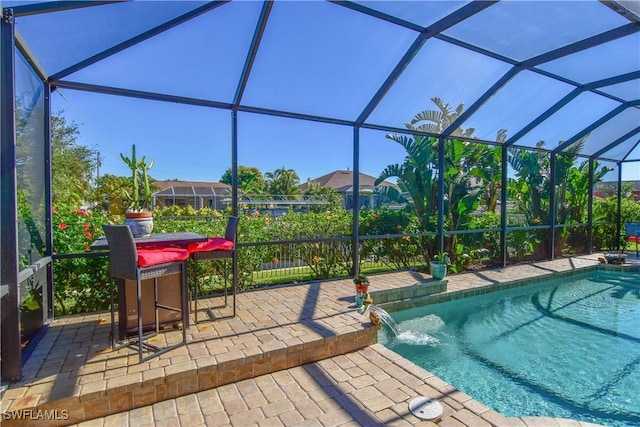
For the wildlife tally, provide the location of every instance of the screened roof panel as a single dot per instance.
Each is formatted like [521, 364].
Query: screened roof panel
[322, 59]
[14, 3]
[327, 59]
[64, 38]
[627, 91]
[270, 142]
[634, 154]
[581, 112]
[440, 69]
[611, 130]
[522, 30]
[423, 13]
[163, 58]
[527, 95]
[621, 150]
[175, 136]
[615, 58]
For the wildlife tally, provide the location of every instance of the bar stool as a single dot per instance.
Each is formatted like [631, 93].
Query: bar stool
[127, 262]
[217, 248]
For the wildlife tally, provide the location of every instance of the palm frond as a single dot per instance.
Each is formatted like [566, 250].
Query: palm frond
[432, 116]
[393, 194]
[391, 171]
[501, 136]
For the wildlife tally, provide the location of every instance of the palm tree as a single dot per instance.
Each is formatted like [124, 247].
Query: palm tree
[417, 176]
[489, 170]
[436, 121]
[532, 185]
[250, 179]
[282, 181]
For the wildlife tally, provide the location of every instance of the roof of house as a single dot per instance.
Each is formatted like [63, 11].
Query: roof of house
[342, 180]
[189, 188]
[611, 185]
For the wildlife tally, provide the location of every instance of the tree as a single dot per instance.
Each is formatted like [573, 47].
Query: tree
[73, 165]
[436, 121]
[330, 195]
[531, 188]
[417, 177]
[282, 181]
[250, 179]
[489, 170]
[111, 192]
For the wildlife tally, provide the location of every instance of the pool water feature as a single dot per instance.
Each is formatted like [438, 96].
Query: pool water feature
[566, 348]
[385, 318]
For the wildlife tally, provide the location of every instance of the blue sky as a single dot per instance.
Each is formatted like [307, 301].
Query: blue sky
[322, 59]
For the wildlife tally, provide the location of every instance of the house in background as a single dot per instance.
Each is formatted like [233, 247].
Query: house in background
[342, 181]
[214, 195]
[610, 188]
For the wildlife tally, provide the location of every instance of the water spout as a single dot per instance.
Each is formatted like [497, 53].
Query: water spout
[385, 318]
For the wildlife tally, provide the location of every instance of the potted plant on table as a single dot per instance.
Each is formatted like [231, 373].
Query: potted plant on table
[362, 288]
[439, 265]
[138, 216]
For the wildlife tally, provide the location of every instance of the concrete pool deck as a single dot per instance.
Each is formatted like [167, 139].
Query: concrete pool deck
[296, 355]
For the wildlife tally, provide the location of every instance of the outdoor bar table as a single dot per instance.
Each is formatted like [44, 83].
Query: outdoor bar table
[157, 239]
[169, 289]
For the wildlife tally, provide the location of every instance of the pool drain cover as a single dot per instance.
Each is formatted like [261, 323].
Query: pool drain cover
[426, 408]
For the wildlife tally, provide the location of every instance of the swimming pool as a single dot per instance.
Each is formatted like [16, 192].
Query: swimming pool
[567, 348]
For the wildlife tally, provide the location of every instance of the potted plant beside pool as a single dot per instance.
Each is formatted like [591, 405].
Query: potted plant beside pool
[361, 283]
[138, 216]
[438, 266]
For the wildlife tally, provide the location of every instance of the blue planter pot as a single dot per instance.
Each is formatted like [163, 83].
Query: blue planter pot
[438, 270]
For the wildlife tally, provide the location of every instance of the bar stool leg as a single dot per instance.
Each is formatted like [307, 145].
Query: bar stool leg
[226, 302]
[234, 283]
[139, 295]
[194, 288]
[113, 316]
[185, 300]
[156, 303]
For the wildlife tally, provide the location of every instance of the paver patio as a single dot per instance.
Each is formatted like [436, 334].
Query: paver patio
[296, 355]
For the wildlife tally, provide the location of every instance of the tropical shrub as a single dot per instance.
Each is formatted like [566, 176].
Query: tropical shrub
[464, 164]
[530, 189]
[80, 284]
[396, 253]
[478, 250]
[318, 241]
[326, 257]
[605, 211]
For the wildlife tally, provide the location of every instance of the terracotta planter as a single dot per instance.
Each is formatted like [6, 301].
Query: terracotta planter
[362, 288]
[140, 223]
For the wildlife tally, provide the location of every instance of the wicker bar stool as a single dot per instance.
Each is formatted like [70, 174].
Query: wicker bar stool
[217, 248]
[126, 262]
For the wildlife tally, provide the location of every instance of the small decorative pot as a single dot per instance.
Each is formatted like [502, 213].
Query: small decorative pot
[362, 289]
[140, 223]
[438, 269]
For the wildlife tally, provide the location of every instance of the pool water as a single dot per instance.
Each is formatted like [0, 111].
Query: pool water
[567, 348]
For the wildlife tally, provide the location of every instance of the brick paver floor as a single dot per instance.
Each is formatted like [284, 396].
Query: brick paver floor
[369, 387]
[298, 355]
